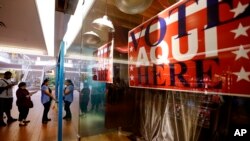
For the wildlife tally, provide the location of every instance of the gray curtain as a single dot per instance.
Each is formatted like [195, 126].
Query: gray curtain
[172, 116]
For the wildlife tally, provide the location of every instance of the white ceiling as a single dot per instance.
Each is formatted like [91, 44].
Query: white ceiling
[23, 28]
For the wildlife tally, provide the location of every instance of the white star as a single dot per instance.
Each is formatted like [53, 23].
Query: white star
[242, 75]
[239, 9]
[240, 31]
[241, 53]
[131, 49]
[131, 77]
[131, 68]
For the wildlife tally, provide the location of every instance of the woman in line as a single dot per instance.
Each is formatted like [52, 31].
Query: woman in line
[23, 103]
[46, 100]
[68, 98]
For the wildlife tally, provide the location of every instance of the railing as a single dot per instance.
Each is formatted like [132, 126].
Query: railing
[25, 67]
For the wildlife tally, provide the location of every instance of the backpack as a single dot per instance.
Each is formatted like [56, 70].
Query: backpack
[3, 88]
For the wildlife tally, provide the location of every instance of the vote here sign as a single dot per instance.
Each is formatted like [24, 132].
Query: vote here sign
[102, 70]
[194, 45]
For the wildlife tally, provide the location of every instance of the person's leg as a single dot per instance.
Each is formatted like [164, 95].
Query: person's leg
[85, 104]
[7, 110]
[45, 112]
[81, 104]
[2, 123]
[93, 102]
[98, 102]
[21, 113]
[21, 116]
[26, 112]
[97, 107]
[67, 109]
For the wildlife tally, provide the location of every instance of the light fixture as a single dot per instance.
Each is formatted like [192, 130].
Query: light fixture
[133, 6]
[103, 23]
[91, 38]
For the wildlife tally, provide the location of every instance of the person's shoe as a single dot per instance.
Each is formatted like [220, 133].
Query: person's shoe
[44, 122]
[2, 124]
[68, 119]
[48, 119]
[22, 123]
[11, 120]
[26, 121]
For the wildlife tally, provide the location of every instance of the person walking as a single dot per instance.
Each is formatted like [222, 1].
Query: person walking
[23, 103]
[68, 98]
[46, 99]
[6, 98]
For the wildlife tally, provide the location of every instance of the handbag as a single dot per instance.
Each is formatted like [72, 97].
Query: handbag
[30, 104]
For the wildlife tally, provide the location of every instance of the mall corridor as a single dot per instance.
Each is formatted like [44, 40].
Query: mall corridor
[36, 131]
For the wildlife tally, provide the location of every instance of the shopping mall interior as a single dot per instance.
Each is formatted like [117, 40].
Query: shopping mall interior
[142, 70]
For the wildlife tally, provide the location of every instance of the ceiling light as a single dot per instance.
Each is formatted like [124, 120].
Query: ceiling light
[91, 38]
[103, 24]
[133, 6]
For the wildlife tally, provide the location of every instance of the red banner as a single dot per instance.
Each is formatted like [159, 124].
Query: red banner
[103, 68]
[194, 45]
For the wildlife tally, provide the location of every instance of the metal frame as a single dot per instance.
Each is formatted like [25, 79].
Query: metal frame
[59, 88]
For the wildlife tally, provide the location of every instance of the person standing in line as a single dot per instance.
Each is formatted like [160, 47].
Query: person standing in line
[84, 99]
[23, 103]
[6, 98]
[68, 98]
[46, 100]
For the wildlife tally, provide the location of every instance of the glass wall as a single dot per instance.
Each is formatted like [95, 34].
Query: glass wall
[174, 77]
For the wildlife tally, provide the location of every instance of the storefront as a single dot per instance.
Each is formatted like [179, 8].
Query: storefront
[145, 70]
[179, 75]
